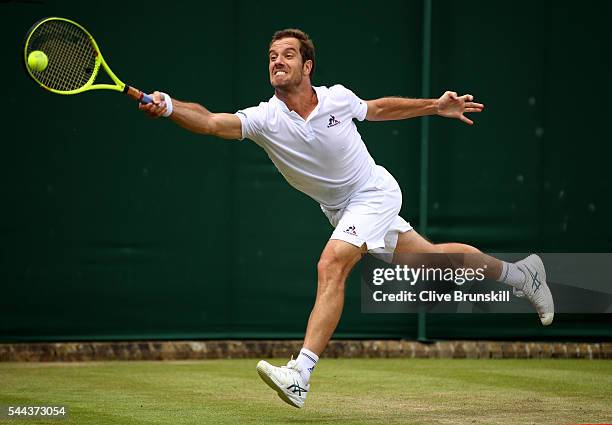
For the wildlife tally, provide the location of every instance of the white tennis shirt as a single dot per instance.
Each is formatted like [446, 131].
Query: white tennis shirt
[322, 156]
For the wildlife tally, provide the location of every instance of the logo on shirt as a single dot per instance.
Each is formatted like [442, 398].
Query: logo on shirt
[351, 230]
[332, 121]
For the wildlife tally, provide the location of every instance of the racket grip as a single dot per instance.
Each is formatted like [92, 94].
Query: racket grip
[137, 94]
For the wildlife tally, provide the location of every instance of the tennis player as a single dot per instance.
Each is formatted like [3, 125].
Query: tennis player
[309, 134]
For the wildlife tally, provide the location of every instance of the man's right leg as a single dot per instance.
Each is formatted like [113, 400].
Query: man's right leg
[337, 260]
[291, 382]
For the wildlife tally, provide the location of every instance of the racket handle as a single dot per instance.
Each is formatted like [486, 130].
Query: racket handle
[137, 94]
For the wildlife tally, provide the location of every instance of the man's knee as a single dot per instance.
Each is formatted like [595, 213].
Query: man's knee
[457, 248]
[332, 272]
[329, 267]
[449, 248]
[336, 262]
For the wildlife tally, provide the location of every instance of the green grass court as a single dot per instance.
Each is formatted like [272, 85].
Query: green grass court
[344, 391]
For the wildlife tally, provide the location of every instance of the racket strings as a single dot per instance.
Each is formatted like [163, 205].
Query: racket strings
[72, 57]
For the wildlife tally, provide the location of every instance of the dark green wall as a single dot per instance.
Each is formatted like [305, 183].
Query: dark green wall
[116, 226]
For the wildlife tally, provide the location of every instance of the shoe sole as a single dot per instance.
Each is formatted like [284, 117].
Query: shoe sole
[547, 318]
[270, 383]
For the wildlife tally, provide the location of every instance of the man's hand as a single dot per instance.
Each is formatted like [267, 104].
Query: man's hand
[452, 106]
[155, 109]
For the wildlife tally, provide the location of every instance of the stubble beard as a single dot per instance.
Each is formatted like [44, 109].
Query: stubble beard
[289, 85]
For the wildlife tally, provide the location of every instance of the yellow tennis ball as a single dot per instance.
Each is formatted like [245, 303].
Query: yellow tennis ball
[37, 61]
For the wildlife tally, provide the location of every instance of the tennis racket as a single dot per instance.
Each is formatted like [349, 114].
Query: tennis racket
[73, 59]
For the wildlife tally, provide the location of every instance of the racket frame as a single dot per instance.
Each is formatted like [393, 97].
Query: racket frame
[99, 61]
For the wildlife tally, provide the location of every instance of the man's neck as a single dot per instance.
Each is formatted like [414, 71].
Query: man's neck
[302, 100]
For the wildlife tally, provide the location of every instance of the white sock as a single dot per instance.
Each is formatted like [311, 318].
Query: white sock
[307, 361]
[512, 275]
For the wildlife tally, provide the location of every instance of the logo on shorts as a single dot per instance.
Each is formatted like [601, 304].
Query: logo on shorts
[332, 121]
[351, 231]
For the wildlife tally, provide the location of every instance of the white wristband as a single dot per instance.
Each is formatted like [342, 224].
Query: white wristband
[169, 107]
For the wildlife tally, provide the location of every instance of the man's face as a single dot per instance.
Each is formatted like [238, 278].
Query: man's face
[286, 67]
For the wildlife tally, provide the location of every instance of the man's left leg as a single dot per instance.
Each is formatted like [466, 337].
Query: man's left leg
[527, 277]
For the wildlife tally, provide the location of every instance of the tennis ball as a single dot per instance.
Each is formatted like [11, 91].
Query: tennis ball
[37, 61]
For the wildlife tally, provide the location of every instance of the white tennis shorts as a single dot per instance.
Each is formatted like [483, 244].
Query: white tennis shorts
[370, 216]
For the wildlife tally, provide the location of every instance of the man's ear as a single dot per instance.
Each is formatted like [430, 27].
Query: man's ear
[307, 67]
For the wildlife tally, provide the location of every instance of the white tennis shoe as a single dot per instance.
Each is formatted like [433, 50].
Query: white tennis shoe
[286, 381]
[536, 290]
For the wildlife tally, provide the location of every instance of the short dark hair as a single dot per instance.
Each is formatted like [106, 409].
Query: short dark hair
[307, 49]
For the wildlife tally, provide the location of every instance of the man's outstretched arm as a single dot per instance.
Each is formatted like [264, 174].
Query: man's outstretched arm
[196, 118]
[449, 105]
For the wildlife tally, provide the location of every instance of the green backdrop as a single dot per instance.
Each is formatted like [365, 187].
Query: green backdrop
[115, 226]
